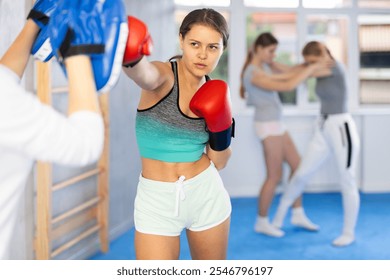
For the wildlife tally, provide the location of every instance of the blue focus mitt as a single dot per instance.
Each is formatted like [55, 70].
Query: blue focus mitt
[95, 28]
[41, 11]
[40, 14]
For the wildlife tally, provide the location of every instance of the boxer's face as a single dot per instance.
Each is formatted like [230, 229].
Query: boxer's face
[202, 48]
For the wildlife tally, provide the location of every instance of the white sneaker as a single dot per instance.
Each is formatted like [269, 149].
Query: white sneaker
[263, 226]
[299, 219]
[344, 240]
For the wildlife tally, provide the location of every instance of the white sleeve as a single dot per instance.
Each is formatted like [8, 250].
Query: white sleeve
[42, 133]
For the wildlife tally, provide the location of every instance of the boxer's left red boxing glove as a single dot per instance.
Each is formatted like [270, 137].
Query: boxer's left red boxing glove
[139, 42]
[212, 102]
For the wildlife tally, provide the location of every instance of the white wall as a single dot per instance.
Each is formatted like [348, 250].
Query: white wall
[375, 174]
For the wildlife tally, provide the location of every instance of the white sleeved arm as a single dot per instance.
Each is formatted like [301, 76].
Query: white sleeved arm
[37, 130]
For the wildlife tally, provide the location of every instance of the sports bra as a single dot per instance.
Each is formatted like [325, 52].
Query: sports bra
[165, 133]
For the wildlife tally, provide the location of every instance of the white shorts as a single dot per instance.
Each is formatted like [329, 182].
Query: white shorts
[271, 128]
[197, 204]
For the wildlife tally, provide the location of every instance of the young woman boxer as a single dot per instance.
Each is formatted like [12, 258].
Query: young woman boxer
[183, 129]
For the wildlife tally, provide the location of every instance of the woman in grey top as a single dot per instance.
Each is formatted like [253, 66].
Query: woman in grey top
[261, 78]
[336, 133]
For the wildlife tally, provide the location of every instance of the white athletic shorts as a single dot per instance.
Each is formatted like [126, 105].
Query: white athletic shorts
[166, 208]
[271, 128]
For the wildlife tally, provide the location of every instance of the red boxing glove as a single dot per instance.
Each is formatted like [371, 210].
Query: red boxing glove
[212, 102]
[139, 42]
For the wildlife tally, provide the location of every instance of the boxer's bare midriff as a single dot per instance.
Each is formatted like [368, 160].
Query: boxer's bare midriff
[171, 171]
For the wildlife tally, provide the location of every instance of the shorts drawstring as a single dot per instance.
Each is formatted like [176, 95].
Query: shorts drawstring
[180, 195]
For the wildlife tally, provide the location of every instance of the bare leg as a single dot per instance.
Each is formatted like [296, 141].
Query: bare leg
[273, 154]
[210, 244]
[156, 247]
[292, 157]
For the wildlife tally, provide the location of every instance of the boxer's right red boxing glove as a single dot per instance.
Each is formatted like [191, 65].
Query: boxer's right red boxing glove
[212, 102]
[139, 42]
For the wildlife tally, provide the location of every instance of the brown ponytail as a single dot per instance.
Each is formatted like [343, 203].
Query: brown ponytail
[247, 61]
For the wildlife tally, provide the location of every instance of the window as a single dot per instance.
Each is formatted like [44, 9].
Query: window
[374, 47]
[221, 3]
[374, 3]
[272, 4]
[328, 4]
[283, 27]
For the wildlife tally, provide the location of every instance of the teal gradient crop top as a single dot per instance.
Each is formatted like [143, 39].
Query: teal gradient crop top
[165, 133]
